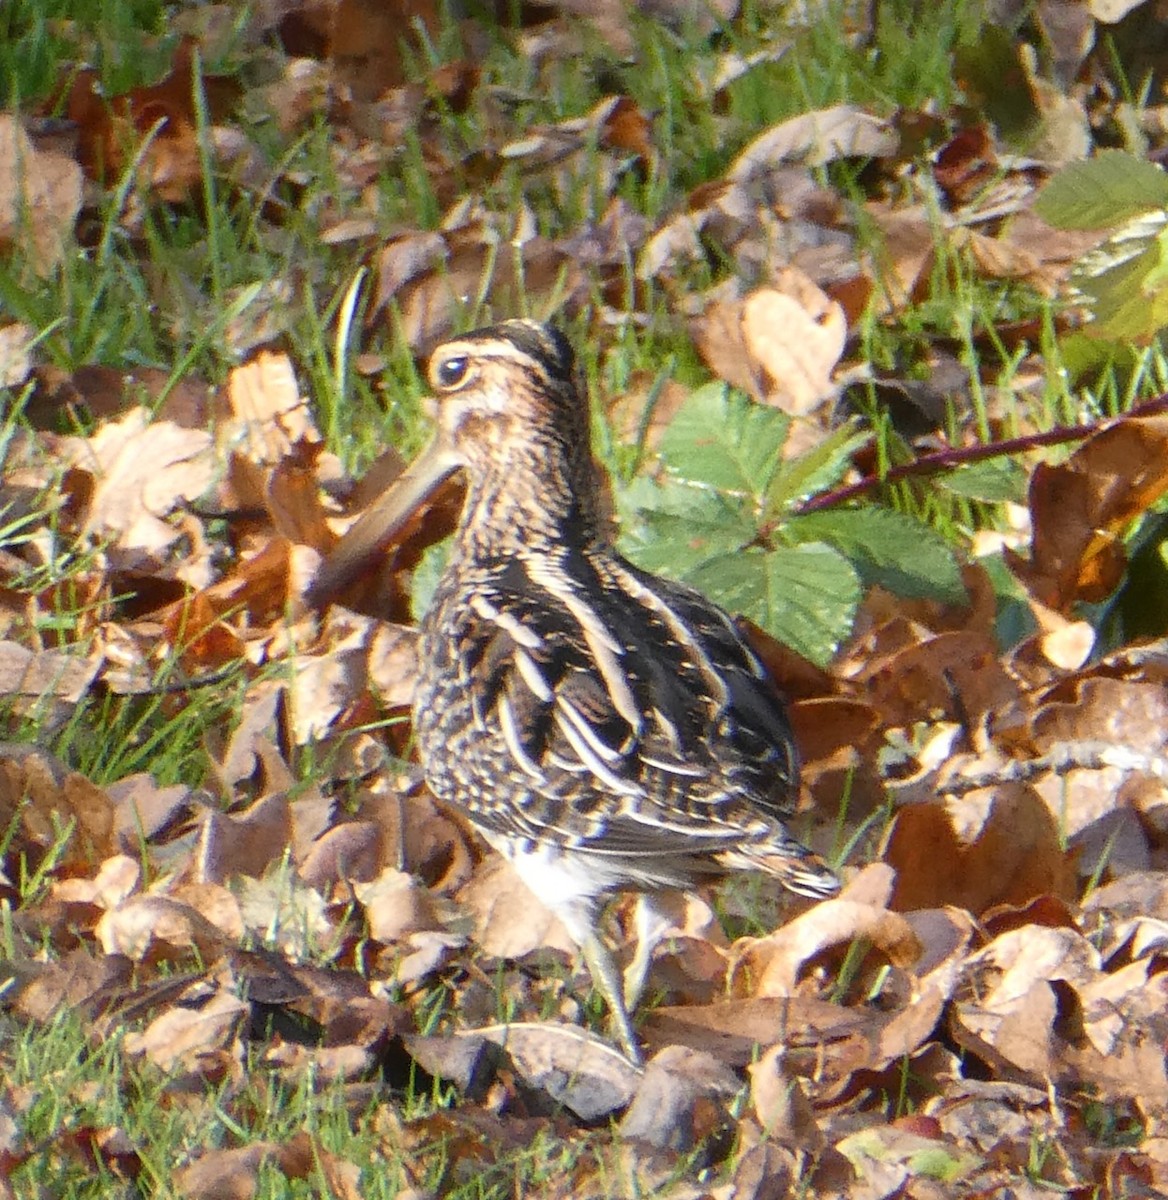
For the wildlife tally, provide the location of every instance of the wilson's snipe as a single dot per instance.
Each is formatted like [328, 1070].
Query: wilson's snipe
[605, 729]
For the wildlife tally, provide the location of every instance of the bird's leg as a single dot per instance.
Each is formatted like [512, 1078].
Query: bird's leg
[606, 977]
[650, 922]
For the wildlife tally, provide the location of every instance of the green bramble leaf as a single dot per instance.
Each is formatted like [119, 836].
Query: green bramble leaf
[806, 596]
[994, 481]
[721, 439]
[886, 548]
[671, 528]
[1102, 192]
[820, 468]
[1125, 281]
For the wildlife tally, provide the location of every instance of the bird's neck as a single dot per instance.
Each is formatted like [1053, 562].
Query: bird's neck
[530, 501]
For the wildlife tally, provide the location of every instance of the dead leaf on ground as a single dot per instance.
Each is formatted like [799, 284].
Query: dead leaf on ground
[509, 920]
[682, 1100]
[1003, 846]
[781, 1105]
[269, 416]
[796, 336]
[575, 1068]
[396, 905]
[16, 343]
[110, 129]
[158, 926]
[816, 138]
[40, 197]
[47, 806]
[1081, 509]
[181, 1037]
[772, 966]
[143, 470]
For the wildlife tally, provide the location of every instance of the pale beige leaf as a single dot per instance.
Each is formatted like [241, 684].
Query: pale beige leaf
[136, 927]
[143, 470]
[796, 335]
[269, 414]
[42, 673]
[180, 1035]
[396, 904]
[509, 919]
[780, 1103]
[15, 353]
[817, 138]
[771, 966]
[289, 917]
[1069, 647]
[224, 1174]
[40, 197]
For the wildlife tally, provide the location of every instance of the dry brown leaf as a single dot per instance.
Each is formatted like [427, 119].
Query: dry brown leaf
[681, 1101]
[224, 1174]
[293, 502]
[114, 882]
[796, 336]
[27, 675]
[575, 1068]
[733, 1030]
[353, 851]
[209, 627]
[393, 664]
[718, 335]
[259, 718]
[886, 1159]
[534, 274]
[901, 262]
[771, 966]
[614, 123]
[396, 905]
[40, 799]
[957, 675]
[40, 197]
[269, 417]
[1010, 1018]
[424, 953]
[1111, 11]
[158, 927]
[509, 920]
[780, 1103]
[1081, 508]
[995, 846]
[143, 470]
[214, 904]
[244, 844]
[180, 1037]
[79, 981]
[96, 392]
[816, 138]
[144, 811]
[419, 836]
[111, 129]
[367, 38]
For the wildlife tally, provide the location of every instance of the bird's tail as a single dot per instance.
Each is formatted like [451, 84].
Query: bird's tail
[798, 869]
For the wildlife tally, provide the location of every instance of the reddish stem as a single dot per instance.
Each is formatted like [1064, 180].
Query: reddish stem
[944, 460]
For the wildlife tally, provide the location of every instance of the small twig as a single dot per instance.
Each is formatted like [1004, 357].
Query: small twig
[174, 687]
[945, 460]
[1061, 760]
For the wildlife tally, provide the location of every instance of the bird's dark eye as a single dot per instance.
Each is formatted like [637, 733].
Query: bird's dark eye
[450, 372]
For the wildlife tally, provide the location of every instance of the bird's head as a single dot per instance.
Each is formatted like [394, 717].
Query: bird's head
[509, 410]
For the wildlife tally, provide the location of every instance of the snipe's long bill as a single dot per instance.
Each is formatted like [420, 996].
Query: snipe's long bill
[605, 729]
